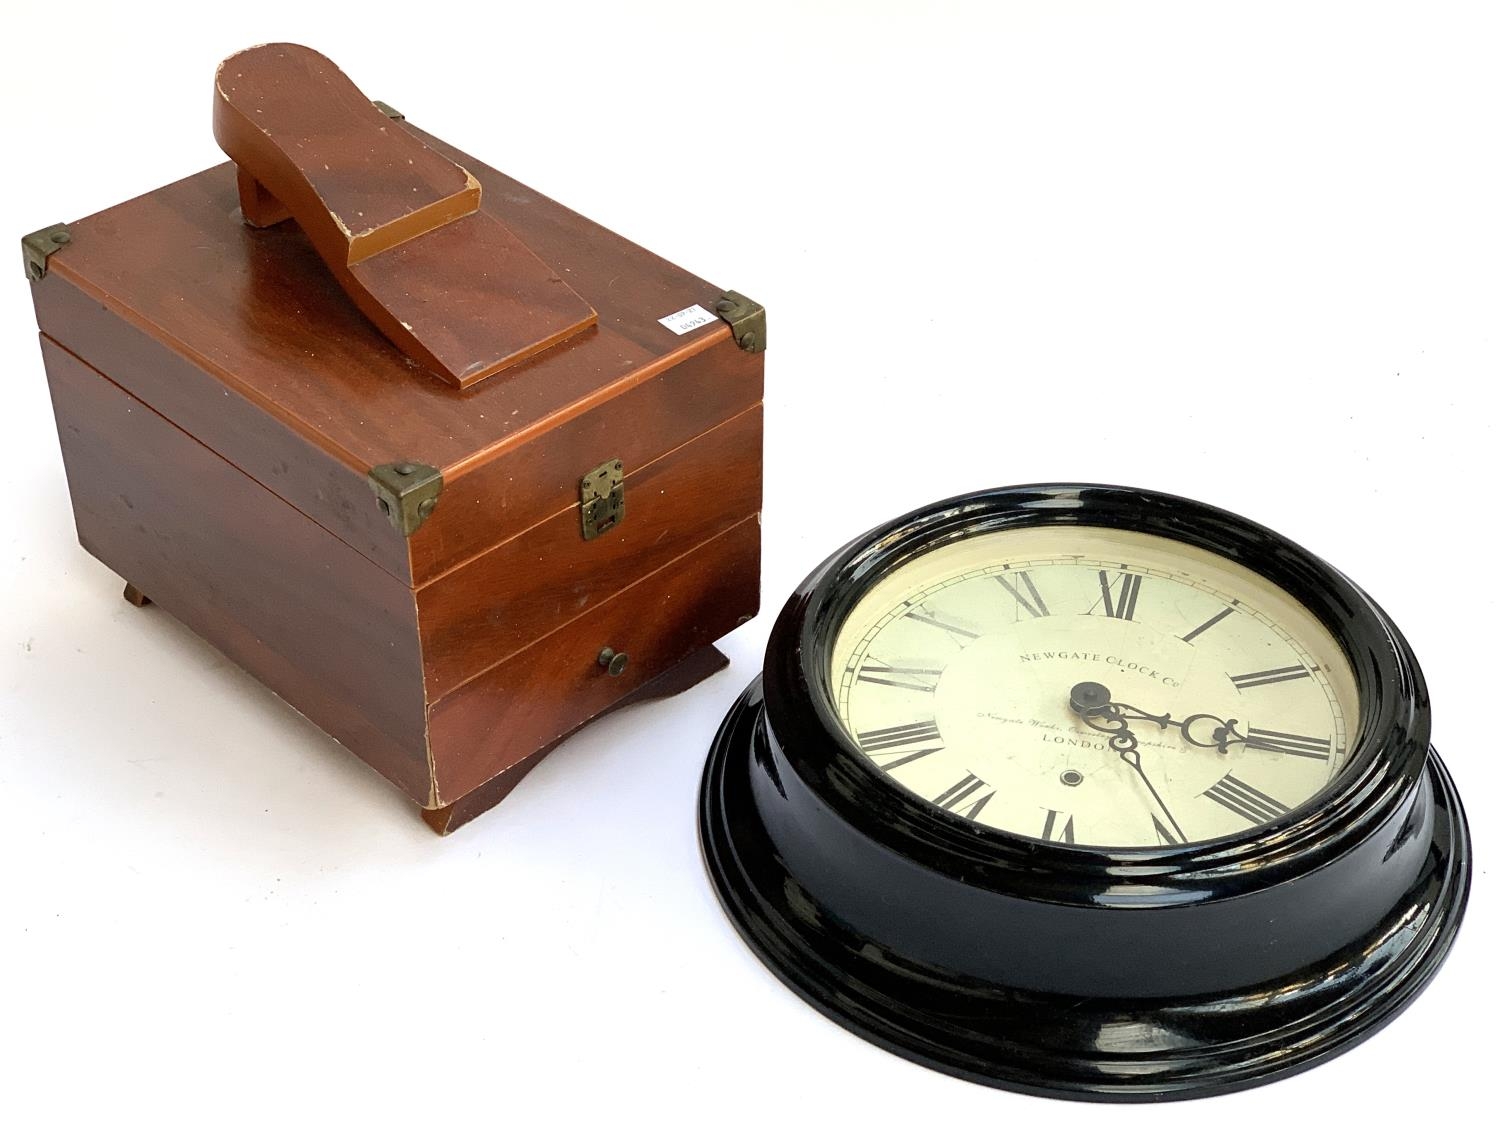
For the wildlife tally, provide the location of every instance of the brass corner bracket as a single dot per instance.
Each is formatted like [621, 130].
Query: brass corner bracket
[747, 321]
[407, 491]
[39, 246]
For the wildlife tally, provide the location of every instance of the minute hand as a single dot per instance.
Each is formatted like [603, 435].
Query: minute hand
[1107, 718]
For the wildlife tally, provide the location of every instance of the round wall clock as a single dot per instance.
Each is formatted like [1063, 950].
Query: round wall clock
[1089, 792]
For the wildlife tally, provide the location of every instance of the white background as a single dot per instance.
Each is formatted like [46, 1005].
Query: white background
[1248, 253]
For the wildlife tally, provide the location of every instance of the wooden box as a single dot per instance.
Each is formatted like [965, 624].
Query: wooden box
[437, 572]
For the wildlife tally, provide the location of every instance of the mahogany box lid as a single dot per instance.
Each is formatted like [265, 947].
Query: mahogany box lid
[243, 337]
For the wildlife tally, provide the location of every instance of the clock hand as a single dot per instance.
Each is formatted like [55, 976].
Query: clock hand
[1092, 703]
[1091, 699]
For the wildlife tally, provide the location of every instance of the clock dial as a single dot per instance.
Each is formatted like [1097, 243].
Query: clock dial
[1093, 686]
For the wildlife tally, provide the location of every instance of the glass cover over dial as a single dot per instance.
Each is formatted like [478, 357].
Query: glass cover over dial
[1094, 686]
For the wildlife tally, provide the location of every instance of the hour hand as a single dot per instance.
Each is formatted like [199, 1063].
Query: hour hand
[1091, 701]
[1092, 704]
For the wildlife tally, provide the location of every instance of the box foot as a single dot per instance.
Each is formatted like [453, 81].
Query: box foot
[135, 597]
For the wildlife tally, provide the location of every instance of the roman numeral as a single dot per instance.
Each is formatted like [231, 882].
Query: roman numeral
[1271, 676]
[1164, 835]
[1054, 829]
[1209, 624]
[915, 679]
[1251, 804]
[884, 740]
[1121, 604]
[1030, 601]
[928, 619]
[903, 735]
[959, 794]
[1304, 746]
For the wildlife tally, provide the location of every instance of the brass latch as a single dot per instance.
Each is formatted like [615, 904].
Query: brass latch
[601, 498]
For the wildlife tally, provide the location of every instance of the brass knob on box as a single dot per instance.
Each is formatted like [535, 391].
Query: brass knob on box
[613, 662]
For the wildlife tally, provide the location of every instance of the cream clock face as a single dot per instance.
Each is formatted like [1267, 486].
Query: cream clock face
[1095, 687]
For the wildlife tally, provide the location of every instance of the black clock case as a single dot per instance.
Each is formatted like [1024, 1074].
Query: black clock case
[1099, 974]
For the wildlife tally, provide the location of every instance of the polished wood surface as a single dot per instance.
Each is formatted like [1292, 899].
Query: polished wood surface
[485, 611]
[257, 312]
[522, 486]
[338, 638]
[698, 666]
[515, 488]
[307, 476]
[320, 625]
[396, 223]
[555, 685]
[245, 339]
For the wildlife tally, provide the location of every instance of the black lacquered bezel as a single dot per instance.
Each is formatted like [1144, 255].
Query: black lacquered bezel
[1095, 973]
